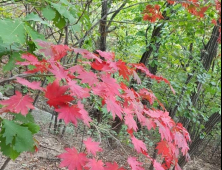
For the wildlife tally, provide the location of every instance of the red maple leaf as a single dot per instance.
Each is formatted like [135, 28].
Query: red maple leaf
[69, 114]
[41, 66]
[139, 145]
[32, 85]
[157, 165]
[59, 51]
[123, 69]
[164, 131]
[92, 147]
[130, 122]
[77, 90]
[136, 77]
[56, 94]
[107, 55]
[135, 165]
[31, 59]
[88, 77]
[164, 149]
[72, 159]
[114, 166]
[114, 108]
[58, 71]
[111, 84]
[85, 115]
[95, 165]
[17, 104]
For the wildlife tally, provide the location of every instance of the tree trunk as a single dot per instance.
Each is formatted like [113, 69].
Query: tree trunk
[103, 26]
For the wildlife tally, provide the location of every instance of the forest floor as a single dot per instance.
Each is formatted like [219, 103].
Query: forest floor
[50, 146]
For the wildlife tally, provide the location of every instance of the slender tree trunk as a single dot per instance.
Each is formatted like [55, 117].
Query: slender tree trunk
[103, 26]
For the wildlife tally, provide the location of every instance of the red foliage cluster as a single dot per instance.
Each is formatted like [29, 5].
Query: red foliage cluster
[126, 103]
[152, 13]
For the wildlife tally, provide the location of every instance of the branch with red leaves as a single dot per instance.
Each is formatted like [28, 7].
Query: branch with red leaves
[66, 94]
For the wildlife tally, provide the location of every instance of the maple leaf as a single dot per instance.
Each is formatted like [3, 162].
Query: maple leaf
[92, 147]
[32, 60]
[58, 71]
[69, 114]
[130, 122]
[148, 95]
[139, 145]
[72, 159]
[157, 165]
[111, 84]
[164, 149]
[56, 94]
[149, 123]
[123, 70]
[164, 131]
[95, 165]
[32, 85]
[17, 104]
[135, 165]
[41, 66]
[114, 166]
[136, 77]
[107, 55]
[77, 90]
[59, 51]
[88, 77]
[85, 115]
[114, 108]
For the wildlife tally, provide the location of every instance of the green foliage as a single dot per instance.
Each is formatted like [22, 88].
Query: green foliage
[17, 135]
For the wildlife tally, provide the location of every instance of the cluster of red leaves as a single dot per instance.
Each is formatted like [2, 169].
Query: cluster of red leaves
[152, 13]
[126, 103]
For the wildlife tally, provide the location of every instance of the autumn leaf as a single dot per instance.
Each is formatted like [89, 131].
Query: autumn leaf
[135, 165]
[85, 115]
[59, 51]
[139, 145]
[88, 77]
[73, 160]
[56, 94]
[157, 165]
[114, 166]
[32, 85]
[58, 71]
[92, 147]
[95, 165]
[130, 122]
[17, 104]
[77, 90]
[114, 108]
[69, 114]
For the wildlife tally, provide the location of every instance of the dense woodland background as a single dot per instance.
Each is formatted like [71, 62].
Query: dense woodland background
[182, 47]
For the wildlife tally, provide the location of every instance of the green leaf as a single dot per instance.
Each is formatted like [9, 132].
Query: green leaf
[49, 13]
[24, 119]
[36, 18]
[12, 31]
[59, 21]
[34, 35]
[64, 12]
[32, 127]
[22, 136]
[8, 150]
[12, 60]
